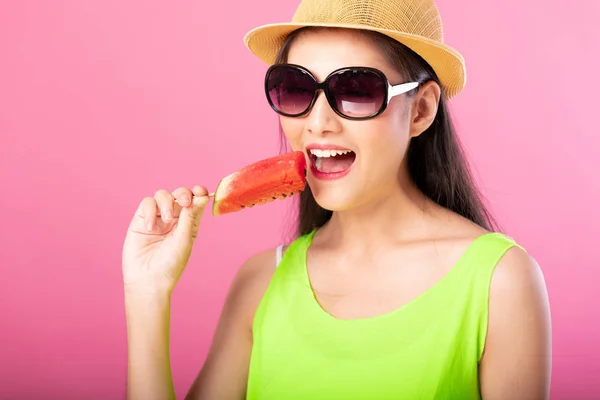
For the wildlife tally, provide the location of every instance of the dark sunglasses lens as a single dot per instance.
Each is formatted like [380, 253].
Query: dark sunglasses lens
[358, 93]
[290, 90]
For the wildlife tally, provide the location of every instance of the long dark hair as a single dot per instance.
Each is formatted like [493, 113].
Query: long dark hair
[436, 161]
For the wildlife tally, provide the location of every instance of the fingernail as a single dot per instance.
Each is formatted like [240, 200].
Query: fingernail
[184, 200]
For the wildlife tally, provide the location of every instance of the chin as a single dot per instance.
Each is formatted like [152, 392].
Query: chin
[334, 195]
[334, 177]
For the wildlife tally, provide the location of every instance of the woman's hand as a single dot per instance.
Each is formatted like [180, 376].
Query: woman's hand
[160, 238]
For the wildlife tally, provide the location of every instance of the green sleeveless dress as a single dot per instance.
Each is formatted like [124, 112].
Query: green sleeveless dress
[429, 348]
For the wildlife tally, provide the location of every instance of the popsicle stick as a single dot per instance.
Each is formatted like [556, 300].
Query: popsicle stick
[209, 195]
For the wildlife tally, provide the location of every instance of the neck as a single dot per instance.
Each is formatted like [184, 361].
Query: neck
[400, 214]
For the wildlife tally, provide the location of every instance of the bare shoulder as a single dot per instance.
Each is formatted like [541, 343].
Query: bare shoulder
[251, 282]
[518, 286]
[225, 370]
[518, 297]
[259, 266]
[517, 362]
[517, 272]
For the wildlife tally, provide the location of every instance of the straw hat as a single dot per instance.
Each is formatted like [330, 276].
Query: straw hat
[415, 23]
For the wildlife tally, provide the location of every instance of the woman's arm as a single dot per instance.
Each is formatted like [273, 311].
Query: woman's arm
[224, 375]
[225, 372]
[517, 359]
[149, 368]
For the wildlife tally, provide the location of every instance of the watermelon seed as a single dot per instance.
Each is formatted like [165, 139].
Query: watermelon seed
[284, 195]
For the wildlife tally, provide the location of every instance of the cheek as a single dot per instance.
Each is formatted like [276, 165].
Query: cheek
[385, 141]
[292, 129]
[392, 130]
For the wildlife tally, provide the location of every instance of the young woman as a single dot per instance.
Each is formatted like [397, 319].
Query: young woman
[397, 285]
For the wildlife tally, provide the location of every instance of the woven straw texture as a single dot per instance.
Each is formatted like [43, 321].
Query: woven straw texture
[415, 23]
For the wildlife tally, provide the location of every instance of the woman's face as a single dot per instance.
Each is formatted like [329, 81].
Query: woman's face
[377, 145]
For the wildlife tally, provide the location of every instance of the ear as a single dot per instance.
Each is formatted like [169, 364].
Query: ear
[424, 108]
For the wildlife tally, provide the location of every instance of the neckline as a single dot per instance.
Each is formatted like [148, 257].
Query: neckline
[429, 292]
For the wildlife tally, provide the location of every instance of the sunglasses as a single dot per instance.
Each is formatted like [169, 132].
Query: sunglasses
[355, 93]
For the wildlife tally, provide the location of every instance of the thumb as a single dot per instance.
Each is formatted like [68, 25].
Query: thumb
[189, 220]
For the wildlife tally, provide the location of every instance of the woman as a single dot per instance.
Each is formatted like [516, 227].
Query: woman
[396, 286]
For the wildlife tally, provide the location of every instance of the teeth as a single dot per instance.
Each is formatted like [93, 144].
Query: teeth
[328, 153]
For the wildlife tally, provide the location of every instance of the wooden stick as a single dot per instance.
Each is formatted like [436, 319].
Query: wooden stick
[193, 196]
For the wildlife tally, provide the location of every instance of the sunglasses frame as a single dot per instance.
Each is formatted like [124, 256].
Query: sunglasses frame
[390, 91]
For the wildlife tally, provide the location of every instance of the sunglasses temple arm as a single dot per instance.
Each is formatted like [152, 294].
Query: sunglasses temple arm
[400, 89]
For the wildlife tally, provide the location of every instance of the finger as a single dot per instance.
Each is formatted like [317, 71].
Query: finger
[200, 199]
[183, 198]
[164, 201]
[147, 211]
[190, 217]
[199, 190]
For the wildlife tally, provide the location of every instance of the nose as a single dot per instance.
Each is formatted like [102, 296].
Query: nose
[322, 119]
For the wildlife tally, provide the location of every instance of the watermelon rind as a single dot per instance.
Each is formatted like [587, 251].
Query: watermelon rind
[223, 189]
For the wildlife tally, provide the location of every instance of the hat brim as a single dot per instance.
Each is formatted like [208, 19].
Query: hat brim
[449, 65]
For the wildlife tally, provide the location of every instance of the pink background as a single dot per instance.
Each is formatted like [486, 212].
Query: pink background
[103, 102]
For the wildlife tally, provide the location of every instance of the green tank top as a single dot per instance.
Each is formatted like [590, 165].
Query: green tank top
[429, 348]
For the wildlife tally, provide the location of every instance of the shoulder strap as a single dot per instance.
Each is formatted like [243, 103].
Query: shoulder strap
[286, 279]
[302, 242]
[278, 255]
[491, 248]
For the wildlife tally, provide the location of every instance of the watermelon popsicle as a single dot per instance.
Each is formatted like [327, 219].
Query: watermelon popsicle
[261, 182]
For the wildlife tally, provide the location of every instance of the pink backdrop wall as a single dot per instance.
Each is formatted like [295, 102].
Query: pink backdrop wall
[102, 103]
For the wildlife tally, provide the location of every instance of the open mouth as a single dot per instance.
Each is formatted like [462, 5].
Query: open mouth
[331, 163]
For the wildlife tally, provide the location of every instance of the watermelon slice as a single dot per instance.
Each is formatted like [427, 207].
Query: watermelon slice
[262, 182]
